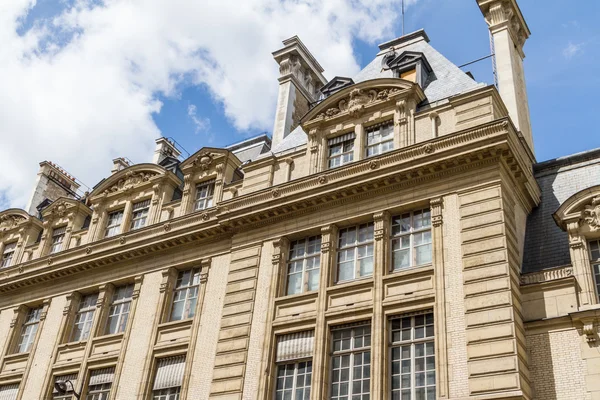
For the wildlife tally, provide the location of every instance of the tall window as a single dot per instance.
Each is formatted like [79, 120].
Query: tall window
[380, 139]
[168, 378]
[355, 252]
[293, 381]
[595, 257]
[413, 357]
[304, 262]
[113, 225]
[185, 294]
[351, 363]
[411, 239]
[7, 254]
[204, 195]
[84, 317]
[58, 236]
[118, 313]
[139, 214]
[29, 329]
[100, 384]
[341, 150]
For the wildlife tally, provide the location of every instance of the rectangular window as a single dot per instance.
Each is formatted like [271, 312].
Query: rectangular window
[595, 258]
[355, 252]
[9, 392]
[100, 384]
[341, 150]
[168, 378]
[139, 214]
[304, 263]
[29, 330]
[351, 363]
[380, 139]
[204, 195]
[118, 313]
[84, 317]
[58, 236]
[7, 254]
[70, 383]
[413, 357]
[185, 294]
[113, 225]
[293, 381]
[411, 239]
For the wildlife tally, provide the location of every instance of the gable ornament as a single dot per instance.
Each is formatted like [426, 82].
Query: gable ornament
[591, 214]
[203, 161]
[10, 221]
[357, 100]
[130, 180]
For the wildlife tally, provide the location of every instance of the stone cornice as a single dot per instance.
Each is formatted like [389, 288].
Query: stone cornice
[438, 158]
[547, 275]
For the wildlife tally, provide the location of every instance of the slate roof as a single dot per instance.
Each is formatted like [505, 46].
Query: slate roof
[547, 245]
[445, 81]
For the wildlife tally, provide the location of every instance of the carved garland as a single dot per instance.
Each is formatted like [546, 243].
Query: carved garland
[358, 100]
[10, 221]
[130, 180]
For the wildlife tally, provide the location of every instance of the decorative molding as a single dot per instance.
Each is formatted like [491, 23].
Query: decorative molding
[547, 275]
[591, 214]
[358, 100]
[131, 180]
[589, 329]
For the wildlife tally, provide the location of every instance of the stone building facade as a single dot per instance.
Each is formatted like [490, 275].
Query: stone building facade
[396, 240]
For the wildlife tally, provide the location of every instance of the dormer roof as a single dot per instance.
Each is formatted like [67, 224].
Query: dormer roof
[336, 84]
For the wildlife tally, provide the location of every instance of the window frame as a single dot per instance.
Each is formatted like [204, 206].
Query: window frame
[413, 342]
[376, 130]
[187, 301]
[306, 257]
[35, 313]
[356, 254]
[8, 254]
[411, 234]
[594, 247]
[207, 200]
[167, 396]
[94, 393]
[352, 352]
[307, 377]
[59, 232]
[344, 152]
[119, 225]
[89, 309]
[120, 303]
[143, 208]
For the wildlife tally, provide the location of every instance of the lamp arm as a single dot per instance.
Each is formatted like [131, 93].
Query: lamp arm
[77, 395]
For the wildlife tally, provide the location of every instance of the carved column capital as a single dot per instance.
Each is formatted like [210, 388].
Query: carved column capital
[168, 275]
[137, 286]
[328, 234]
[436, 206]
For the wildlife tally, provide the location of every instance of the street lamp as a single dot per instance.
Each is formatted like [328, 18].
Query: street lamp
[61, 388]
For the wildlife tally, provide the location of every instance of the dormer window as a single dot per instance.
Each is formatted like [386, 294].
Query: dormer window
[410, 65]
[204, 195]
[58, 236]
[113, 225]
[341, 150]
[7, 254]
[380, 139]
[139, 214]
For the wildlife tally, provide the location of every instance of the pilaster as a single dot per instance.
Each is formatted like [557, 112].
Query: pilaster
[580, 259]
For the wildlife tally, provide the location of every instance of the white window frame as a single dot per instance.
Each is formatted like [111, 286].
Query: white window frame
[58, 237]
[594, 246]
[99, 392]
[413, 236]
[139, 214]
[204, 200]
[187, 293]
[354, 249]
[352, 352]
[406, 336]
[379, 144]
[304, 259]
[119, 309]
[29, 330]
[345, 155]
[113, 225]
[8, 254]
[171, 393]
[284, 379]
[84, 316]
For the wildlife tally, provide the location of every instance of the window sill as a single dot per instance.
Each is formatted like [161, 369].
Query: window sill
[409, 271]
[297, 296]
[366, 281]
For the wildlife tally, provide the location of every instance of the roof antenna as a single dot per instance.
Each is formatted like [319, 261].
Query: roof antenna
[402, 17]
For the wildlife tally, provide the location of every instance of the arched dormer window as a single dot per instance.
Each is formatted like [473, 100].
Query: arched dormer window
[18, 231]
[61, 218]
[130, 199]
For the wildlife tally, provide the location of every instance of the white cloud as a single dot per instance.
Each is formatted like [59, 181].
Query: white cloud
[81, 89]
[572, 49]
[201, 123]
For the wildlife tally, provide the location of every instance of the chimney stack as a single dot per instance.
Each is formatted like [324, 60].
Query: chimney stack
[164, 148]
[509, 32]
[119, 164]
[52, 182]
[300, 80]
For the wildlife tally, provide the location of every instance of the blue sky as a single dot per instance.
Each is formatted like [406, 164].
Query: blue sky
[92, 80]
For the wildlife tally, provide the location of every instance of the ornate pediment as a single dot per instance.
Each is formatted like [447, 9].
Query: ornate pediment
[129, 178]
[61, 208]
[205, 159]
[11, 221]
[357, 100]
[591, 214]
